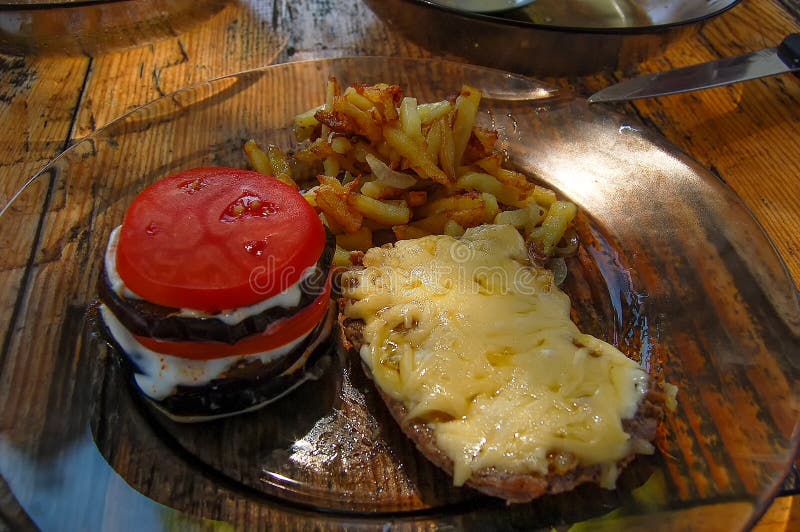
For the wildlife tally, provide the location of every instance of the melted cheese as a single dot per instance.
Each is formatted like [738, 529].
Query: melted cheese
[479, 344]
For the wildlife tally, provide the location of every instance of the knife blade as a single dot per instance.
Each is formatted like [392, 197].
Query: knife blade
[768, 62]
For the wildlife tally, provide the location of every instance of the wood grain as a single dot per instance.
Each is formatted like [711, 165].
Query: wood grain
[746, 134]
[38, 100]
[254, 34]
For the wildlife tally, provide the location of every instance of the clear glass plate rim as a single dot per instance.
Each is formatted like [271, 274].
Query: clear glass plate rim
[718, 184]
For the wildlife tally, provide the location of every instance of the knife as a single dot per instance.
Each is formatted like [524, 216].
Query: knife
[767, 62]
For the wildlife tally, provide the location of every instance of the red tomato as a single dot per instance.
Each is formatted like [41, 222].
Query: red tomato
[279, 333]
[217, 238]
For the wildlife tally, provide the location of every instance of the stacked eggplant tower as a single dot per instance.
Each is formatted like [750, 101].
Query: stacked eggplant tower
[215, 291]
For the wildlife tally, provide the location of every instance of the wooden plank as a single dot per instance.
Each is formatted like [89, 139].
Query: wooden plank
[793, 7]
[782, 516]
[745, 133]
[240, 37]
[38, 97]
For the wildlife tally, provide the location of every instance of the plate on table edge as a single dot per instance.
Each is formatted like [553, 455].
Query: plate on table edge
[680, 257]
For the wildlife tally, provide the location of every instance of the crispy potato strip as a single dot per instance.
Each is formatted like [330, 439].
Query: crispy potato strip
[272, 162]
[375, 162]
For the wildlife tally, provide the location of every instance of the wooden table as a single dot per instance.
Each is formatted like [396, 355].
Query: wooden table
[749, 135]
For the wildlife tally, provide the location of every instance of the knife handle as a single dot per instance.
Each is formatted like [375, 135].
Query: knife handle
[789, 52]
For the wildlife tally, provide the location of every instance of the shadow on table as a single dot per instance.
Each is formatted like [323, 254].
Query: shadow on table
[99, 27]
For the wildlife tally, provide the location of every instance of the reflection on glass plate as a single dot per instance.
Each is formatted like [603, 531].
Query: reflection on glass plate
[673, 269]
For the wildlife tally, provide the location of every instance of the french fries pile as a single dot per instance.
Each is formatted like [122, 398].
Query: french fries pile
[380, 167]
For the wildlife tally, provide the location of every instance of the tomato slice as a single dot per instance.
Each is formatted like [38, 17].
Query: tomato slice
[212, 239]
[276, 335]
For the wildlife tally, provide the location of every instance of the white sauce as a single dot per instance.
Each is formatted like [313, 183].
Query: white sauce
[116, 282]
[161, 374]
[287, 299]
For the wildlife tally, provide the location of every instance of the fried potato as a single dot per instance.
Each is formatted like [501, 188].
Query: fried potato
[273, 162]
[330, 166]
[416, 198]
[385, 98]
[433, 224]
[481, 145]
[341, 145]
[518, 218]
[409, 119]
[281, 167]
[514, 179]
[337, 210]
[333, 183]
[447, 148]
[318, 150]
[360, 240]
[415, 153]
[407, 232]
[546, 236]
[543, 196]
[433, 141]
[341, 257]
[332, 90]
[359, 100]
[491, 207]
[453, 228]
[257, 158]
[430, 112]
[524, 219]
[451, 203]
[360, 151]
[388, 212]
[487, 138]
[466, 109]
[306, 123]
[354, 121]
[489, 184]
[310, 196]
[493, 166]
[469, 217]
[389, 165]
[379, 191]
[334, 228]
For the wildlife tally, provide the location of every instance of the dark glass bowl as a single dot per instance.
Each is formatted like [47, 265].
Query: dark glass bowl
[552, 37]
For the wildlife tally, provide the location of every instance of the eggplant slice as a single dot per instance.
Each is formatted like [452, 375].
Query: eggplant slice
[143, 318]
[245, 386]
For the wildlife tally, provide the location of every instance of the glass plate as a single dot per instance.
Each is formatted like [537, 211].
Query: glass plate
[673, 269]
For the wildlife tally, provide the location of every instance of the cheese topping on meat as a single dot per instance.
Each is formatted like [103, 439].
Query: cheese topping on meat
[479, 344]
